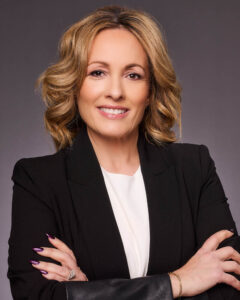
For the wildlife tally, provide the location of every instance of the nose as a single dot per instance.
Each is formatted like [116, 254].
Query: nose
[115, 89]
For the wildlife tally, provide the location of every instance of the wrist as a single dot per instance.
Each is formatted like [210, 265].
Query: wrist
[176, 284]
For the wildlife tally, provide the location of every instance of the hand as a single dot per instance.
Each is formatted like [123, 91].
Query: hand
[208, 267]
[63, 254]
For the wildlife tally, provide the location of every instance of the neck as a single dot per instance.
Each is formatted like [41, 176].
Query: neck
[116, 155]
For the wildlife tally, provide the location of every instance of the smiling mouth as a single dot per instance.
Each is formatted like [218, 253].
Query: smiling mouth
[113, 111]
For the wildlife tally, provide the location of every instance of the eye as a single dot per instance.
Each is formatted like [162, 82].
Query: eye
[96, 73]
[134, 76]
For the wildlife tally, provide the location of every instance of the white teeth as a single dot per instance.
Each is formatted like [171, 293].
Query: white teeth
[112, 111]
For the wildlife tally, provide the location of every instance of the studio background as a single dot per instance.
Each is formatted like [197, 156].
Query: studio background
[203, 41]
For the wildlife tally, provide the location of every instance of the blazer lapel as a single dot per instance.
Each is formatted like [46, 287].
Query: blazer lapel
[94, 211]
[96, 219]
[163, 196]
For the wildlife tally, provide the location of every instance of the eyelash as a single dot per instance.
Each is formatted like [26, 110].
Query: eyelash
[139, 76]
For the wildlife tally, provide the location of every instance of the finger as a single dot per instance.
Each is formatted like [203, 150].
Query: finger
[63, 272]
[214, 240]
[81, 277]
[57, 243]
[62, 257]
[51, 268]
[228, 252]
[231, 280]
[231, 266]
[52, 276]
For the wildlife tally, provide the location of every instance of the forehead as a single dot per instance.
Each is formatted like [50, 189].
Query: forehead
[117, 46]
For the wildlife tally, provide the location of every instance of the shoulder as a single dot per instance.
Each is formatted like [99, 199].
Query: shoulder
[41, 177]
[191, 156]
[188, 150]
[39, 167]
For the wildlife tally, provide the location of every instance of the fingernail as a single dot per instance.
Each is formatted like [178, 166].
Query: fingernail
[43, 272]
[34, 262]
[50, 236]
[232, 230]
[38, 249]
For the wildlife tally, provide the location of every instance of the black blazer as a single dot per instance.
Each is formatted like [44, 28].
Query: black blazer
[64, 194]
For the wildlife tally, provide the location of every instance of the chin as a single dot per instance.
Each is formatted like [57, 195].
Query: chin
[112, 133]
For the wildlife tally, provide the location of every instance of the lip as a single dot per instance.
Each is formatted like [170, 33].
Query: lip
[112, 116]
[113, 107]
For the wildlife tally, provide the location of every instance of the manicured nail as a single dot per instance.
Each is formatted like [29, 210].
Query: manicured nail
[232, 230]
[38, 249]
[50, 236]
[43, 272]
[34, 262]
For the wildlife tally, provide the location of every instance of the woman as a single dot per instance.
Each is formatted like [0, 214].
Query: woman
[124, 206]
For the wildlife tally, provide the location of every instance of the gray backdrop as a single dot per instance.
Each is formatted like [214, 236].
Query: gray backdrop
[203, 39]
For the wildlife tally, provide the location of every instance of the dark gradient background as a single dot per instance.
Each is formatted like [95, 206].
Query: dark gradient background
[203, 40]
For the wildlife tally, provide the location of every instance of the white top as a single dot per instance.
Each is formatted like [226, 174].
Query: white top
[129, 203]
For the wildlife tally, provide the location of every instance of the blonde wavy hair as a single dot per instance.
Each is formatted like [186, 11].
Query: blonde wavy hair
[61, 82]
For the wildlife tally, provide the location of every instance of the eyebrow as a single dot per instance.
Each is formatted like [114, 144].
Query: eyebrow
[127, 66]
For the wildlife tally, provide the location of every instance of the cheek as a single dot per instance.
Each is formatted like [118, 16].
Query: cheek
[141, 100]
[87, 95]
[141, 93]
[91, 88]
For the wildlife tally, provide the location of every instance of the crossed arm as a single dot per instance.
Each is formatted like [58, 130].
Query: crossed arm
[32, 218]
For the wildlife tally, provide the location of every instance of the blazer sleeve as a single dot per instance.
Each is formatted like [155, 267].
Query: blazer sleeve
[32, 217]
[214, 215]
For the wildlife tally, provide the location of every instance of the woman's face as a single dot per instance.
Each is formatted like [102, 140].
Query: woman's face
[114, 93]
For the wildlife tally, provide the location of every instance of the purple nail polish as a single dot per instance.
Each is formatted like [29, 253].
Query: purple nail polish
[43, 272]
[232, 230]
[34, 262]
[50, 236]
[38, 249]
